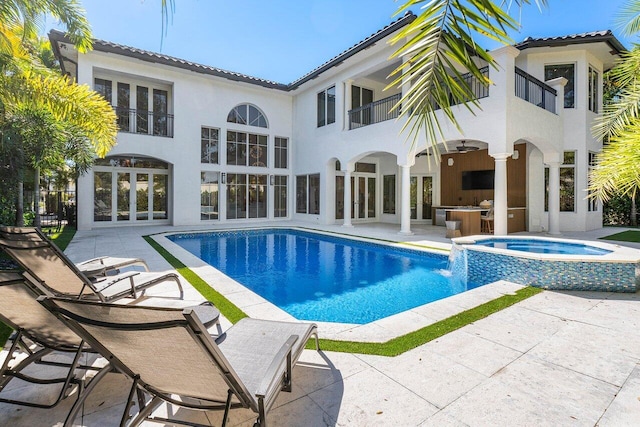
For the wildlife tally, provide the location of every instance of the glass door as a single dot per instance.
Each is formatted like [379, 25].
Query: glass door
[427, 196]
[423, 186]
[129, 190]
[363, 189]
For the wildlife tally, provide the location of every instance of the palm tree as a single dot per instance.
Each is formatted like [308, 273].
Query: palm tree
[26, 85]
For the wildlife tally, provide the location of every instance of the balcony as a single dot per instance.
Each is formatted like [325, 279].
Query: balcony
[144, 122]
[375, 112]
[382, 110]
[534, 91]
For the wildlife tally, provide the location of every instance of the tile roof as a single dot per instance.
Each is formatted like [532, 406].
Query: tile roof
[144, 55]
[605, 36]
[530, 42]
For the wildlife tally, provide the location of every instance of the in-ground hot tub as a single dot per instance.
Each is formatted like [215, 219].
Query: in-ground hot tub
[548, 263]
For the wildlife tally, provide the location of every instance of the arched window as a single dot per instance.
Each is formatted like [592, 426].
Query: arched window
[246, 114]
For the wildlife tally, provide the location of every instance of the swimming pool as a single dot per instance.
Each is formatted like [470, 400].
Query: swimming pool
[325, 278]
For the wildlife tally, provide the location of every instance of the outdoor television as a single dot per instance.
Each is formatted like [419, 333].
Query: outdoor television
[478, 180]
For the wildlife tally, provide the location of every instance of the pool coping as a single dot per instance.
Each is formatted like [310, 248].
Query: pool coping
[378, 331]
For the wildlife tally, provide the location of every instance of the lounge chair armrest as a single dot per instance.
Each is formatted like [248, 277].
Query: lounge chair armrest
[112, 280]
[282, 359]
[89, 261]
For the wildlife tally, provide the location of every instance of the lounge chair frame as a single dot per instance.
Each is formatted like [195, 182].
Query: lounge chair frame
[94, 267]
[31, 343]
[90, 288]
[277, 377]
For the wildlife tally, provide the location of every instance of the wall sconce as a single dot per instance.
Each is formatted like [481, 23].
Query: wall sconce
[272, 179]
[515, 155]
[223, 178]
[450, 161]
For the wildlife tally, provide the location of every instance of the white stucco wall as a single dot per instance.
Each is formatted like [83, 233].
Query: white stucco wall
[198, 100]
[501, 121]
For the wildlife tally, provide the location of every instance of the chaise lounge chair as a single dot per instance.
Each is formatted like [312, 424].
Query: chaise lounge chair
[39, 334]
[55, 274]
[95, 267]
[171, 358]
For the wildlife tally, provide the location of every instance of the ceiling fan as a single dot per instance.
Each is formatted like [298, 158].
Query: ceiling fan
[466, 148]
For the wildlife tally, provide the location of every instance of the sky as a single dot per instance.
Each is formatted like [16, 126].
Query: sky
[281, 40]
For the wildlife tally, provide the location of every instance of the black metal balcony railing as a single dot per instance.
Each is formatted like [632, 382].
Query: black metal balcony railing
[382, 110]
[375, 112]
[145, 122]
[534, 91]
[478, 89]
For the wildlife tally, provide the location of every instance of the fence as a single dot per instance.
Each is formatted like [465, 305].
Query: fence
[55, 207]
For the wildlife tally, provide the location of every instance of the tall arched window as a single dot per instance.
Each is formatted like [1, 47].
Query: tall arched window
[247, 114]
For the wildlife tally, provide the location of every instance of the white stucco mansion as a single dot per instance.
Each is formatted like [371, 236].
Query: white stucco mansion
[201, 145]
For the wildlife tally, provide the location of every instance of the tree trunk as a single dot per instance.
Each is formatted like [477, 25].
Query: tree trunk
[36, 198]
[20, 205]
[634, 212]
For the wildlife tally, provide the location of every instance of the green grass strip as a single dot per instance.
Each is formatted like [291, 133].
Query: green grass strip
[624, 236]
[392, 347]
[414, 339]
[226, 307]
[62, 240]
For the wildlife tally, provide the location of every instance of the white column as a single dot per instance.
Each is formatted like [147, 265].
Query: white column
[554, 198]
[405, 200]
[346, 104]
[347, 199]
[500, 211]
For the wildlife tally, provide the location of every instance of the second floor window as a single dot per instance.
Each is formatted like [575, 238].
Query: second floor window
[209, 145]
[327, 106]
[246, 149]
[568, 72]
[281, 149]
[246, 114]
[593, 90]
[140, 108]
[104, 88]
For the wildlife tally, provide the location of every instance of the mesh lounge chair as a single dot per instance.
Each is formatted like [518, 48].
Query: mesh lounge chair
[171, 357]
[39, 334]
[54, 273]
[95, 267]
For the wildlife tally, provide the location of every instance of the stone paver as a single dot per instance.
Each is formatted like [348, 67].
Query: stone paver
[558, 358]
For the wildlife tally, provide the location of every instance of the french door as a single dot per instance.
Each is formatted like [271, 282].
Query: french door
[128, 195]
[421, 192]
[363, 189]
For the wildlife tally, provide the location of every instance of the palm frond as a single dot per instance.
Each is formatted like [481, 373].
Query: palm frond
[437, 48]
[617, 170]
[626, 104]
[628, 18]
[29, 14]
[77, 105]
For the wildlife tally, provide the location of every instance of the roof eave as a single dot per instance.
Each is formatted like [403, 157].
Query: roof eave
[617, 47]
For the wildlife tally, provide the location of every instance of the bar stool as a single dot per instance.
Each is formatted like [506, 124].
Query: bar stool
[486, 222]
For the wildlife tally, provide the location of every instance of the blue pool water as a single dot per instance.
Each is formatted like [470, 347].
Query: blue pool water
[323, 278]
[543, 246]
